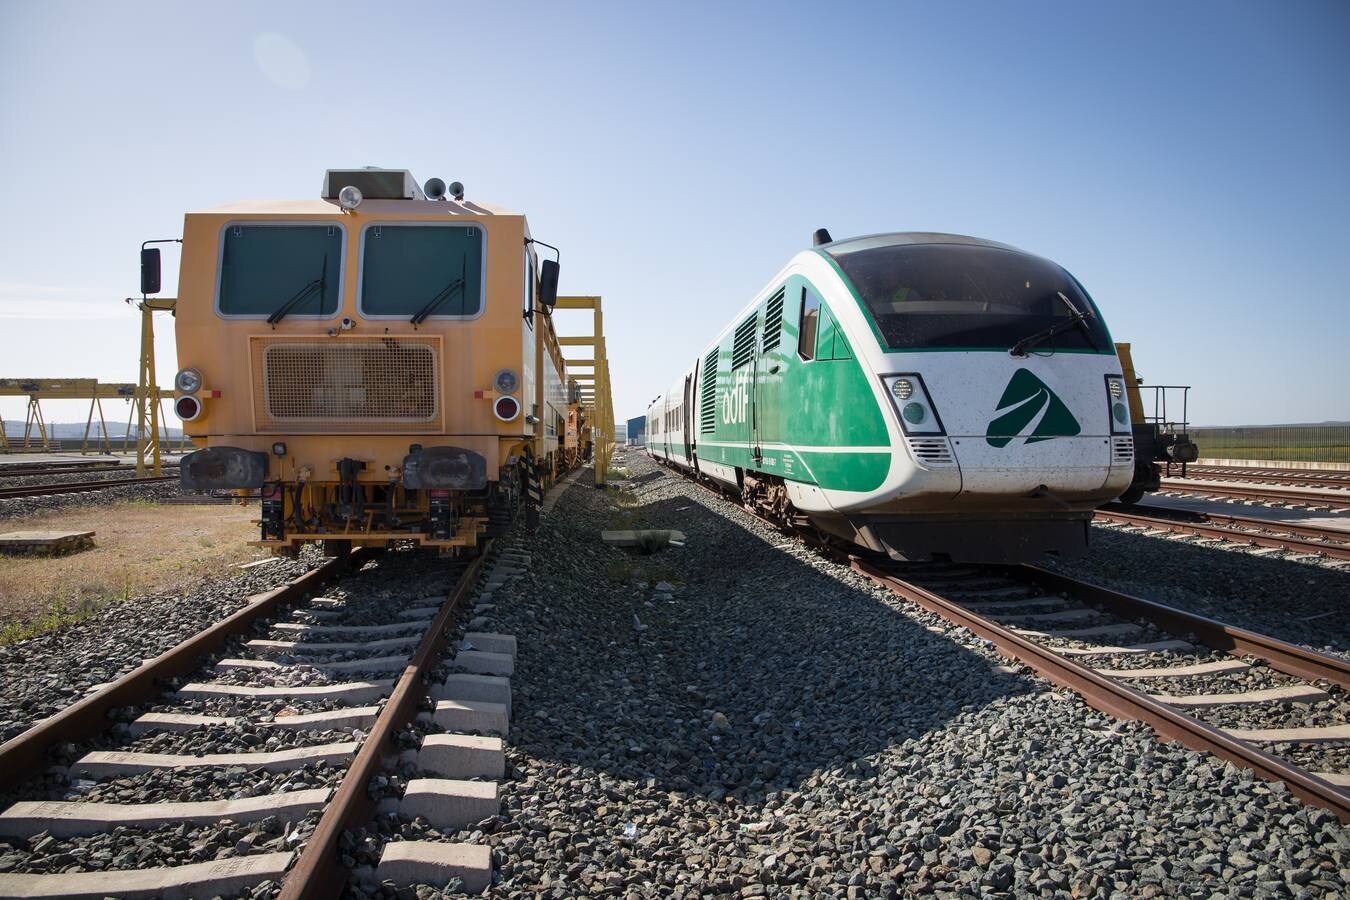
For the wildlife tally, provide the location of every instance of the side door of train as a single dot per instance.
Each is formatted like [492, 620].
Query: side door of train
[685, 407]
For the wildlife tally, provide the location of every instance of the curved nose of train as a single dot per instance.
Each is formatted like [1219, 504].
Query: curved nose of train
[1036, 428]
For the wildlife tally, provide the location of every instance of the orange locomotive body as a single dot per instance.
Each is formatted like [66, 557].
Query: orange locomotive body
[379, 363]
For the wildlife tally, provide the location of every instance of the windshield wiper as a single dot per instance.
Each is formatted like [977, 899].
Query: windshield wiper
[1076, 317]
[441, 296]
[317, 284]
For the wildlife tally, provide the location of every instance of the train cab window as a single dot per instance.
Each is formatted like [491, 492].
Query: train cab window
[265, 267]
[967, 296]
[810, 319]
[409, 269]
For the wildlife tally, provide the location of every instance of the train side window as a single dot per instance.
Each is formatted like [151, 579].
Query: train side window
[810, 319]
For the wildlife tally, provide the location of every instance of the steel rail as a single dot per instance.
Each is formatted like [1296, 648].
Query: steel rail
[1188, 515]
[319, 873]
[46, 490]
[1236, 535]
[1282, 655]
[1119, 700]
[26, 753]
[1226, 490]
[1269, 476]
[54, 471]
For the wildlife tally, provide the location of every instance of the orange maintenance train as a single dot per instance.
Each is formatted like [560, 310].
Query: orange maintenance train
[378, 362]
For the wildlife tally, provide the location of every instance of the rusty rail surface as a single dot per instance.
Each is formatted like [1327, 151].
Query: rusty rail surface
[1304, 477]
[1124, 702]
[319, 873]
[25, 754]
[1288, 658]
[46, 490]
[1212, 528]
[1339, 500]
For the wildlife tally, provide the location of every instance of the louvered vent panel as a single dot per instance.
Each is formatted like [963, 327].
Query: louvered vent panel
[773, 321]
[333, 385]
[931, 451]
[707, 405]
[1123, 448]
[743, 346]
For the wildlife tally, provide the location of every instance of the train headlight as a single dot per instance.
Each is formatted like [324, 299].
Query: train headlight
[350, 197]
[506, 381]
[915, 409]
[188, 381]
[1116, 405]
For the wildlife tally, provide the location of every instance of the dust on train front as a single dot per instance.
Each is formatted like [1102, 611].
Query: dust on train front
[933, 396]
[377, 361]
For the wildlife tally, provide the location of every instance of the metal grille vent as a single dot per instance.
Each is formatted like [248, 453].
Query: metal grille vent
[931, 451]
[707, 405]
[743, 345]
[773, 321]
[1122, 449]
[336, 385]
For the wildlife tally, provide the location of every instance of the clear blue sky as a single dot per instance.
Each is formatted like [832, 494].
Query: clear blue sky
[1187, 161]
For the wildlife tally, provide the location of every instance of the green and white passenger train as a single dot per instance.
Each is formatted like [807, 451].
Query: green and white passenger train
[933, 396]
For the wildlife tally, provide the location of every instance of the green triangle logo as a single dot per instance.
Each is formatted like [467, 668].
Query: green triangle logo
[1028, 400]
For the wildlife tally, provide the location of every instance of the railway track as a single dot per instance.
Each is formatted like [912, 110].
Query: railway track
[1327, 499]
[325, 692]
[1107, 647]
[1151, 642]
[1290, 477]
[76, 487]
[1328, 542]
[57, 470]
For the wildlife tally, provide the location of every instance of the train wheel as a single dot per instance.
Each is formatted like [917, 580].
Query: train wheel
[336, 548]
[1131, 496]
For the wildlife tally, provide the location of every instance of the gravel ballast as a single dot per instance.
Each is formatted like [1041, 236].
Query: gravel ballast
[22, 507]
[741, 717]
[44, 674]
[1300, 601]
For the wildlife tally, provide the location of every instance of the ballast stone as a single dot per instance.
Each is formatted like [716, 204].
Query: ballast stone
[432, 862]
[462, 756]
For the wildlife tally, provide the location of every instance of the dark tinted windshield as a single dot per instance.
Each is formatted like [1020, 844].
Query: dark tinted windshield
[407, 266]
[263, 266]
[957, 295]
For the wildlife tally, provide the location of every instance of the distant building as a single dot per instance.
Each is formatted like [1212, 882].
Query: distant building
[637, 431]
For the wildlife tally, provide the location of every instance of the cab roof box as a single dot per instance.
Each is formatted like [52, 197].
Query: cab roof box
[373, 183]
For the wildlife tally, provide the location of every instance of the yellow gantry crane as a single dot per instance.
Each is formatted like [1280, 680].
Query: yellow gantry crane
[96, 435]
[145, 397]
[595, 389]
